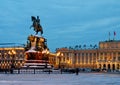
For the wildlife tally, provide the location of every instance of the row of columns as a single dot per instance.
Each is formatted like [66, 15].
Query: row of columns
[111, 66]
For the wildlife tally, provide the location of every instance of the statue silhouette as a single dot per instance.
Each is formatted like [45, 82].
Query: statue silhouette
[36, 25]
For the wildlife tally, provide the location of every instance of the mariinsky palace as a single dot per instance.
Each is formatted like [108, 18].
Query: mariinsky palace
[105, 56]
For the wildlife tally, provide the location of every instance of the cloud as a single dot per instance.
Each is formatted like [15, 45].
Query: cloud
[64, 22]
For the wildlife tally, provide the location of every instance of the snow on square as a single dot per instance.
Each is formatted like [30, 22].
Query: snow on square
[60, 79]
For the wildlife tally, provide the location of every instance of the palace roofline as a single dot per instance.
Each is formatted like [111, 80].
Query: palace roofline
[110, 41]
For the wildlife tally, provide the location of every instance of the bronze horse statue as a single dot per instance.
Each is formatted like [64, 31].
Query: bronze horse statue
[36, 25]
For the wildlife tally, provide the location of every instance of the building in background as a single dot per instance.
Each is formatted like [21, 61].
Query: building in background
[11, 56]
[105, 56]
[109, 55]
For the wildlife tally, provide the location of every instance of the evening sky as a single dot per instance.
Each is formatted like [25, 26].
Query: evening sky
[64, 22]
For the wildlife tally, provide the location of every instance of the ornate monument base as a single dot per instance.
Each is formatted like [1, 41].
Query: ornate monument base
[37, 55]
[36, 60]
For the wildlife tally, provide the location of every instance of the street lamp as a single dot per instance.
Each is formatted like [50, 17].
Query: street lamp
[68, 62]
[46, 53]
[0, 60]
[47, 59]
[12, 55]
[58, 55]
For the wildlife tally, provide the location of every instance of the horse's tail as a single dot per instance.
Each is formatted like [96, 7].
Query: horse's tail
[41, 31]
[31, 26]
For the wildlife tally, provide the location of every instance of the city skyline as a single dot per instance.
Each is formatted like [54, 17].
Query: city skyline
[65, 22]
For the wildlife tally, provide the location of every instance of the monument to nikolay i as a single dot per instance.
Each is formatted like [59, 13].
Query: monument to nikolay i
[37, 52]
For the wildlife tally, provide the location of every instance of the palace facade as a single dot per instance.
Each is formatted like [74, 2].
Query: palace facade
[105, 56]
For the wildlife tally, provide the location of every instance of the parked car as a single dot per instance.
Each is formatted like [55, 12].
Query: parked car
[88, 70]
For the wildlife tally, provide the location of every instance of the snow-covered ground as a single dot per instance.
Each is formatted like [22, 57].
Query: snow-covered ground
[60, 79]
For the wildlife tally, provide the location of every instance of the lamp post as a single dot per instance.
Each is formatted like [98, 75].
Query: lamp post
[12, 54]
[47, 59]
[59, 60]
[46, 53]
[68, 62]
[0, 60]
[59, 55]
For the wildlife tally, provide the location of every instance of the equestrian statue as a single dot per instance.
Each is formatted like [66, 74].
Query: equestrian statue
[36, 25]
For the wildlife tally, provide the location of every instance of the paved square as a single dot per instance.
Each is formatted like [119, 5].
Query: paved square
[60, 79]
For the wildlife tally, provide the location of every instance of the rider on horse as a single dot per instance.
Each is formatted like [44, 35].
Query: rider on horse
[36, 25]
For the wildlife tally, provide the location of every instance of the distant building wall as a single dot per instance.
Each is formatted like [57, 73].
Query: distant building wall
[11, 55]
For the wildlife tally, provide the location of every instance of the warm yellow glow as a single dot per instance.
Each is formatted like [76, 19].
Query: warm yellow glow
[47, 52]
[68, 62]
[61, 54]
[13, 51]
[52, 55]
[16, 48]
[9, 53]
[58, 54]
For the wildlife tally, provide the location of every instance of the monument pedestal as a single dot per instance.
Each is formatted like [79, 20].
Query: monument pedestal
[36, 56]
